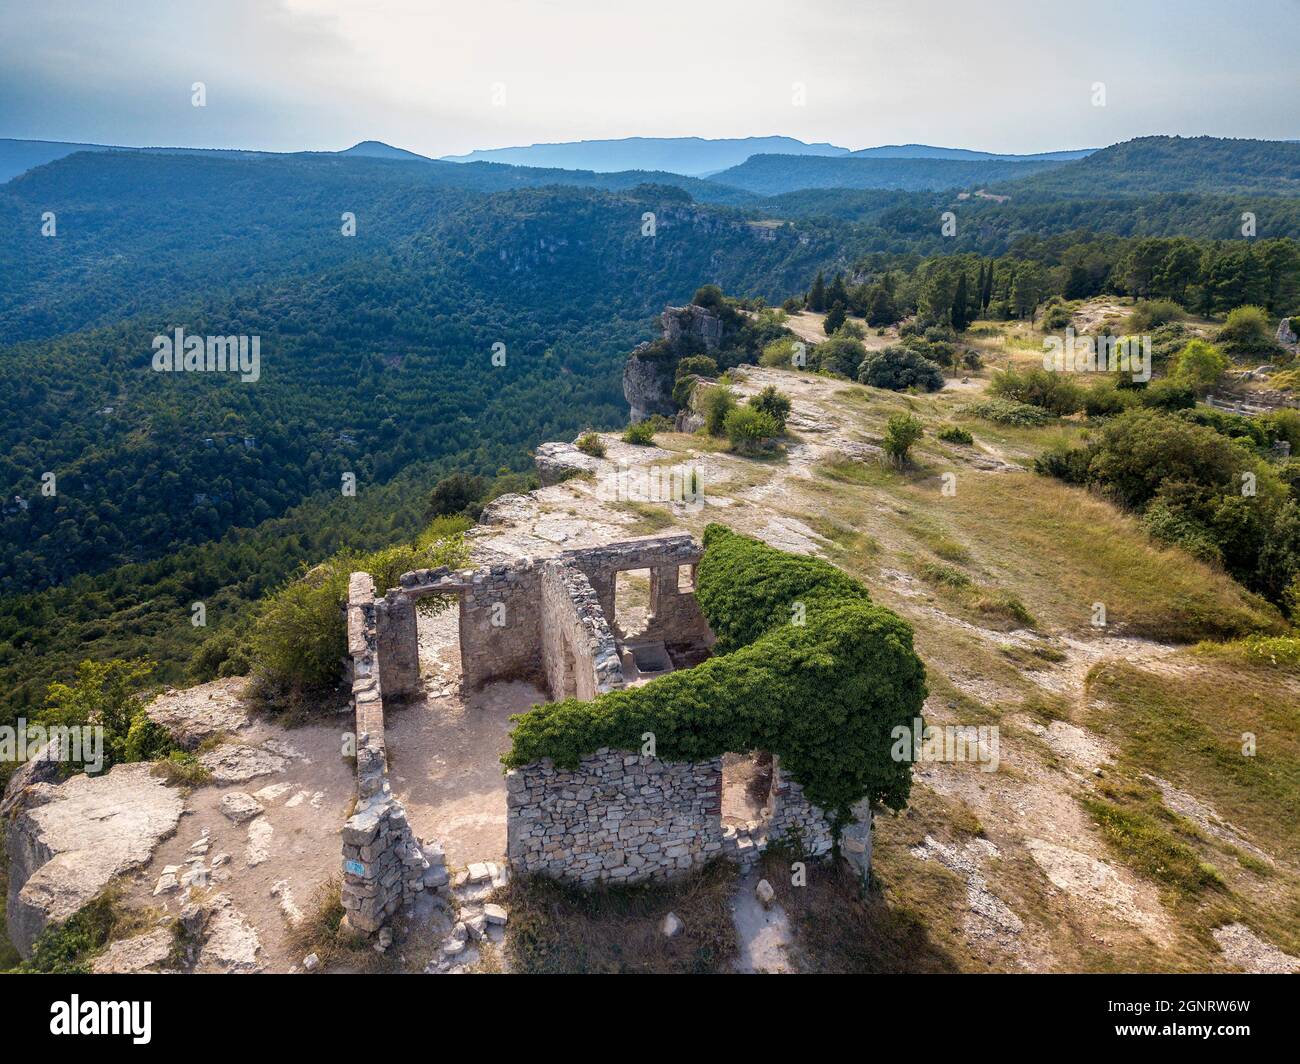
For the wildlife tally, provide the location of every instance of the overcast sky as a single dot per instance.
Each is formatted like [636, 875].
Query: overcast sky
[442, 77]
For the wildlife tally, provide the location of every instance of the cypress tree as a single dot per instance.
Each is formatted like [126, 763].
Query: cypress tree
[961, 304]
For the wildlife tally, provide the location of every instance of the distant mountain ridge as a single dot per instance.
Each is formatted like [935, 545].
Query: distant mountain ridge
[772, 175]
[928, 151]
[19, 156]
[689, 156]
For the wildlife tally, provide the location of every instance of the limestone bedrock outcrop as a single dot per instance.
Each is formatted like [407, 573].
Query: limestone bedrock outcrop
[200, 713]
[67, 842]
[648, 374]
[557, 462]
[648, 383]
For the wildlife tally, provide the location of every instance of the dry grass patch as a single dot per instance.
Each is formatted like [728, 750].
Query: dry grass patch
[323, 933]
[1062, 549]
[839, 928]
[1190, 729]
[558, 928]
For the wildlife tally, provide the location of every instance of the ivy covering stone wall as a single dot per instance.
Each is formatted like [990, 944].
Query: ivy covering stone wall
[808, 668]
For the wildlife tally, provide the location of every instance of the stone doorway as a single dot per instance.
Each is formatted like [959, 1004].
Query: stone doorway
[747, 790]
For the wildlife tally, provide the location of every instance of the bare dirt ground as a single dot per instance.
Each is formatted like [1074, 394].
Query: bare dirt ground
[272, 864]
[445, 751]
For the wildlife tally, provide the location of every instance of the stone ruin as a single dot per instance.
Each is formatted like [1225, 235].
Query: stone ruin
[619, 816]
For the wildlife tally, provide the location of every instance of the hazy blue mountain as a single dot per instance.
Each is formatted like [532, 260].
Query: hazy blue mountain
[377, 149]
[19, 156]
[771, 175]
[694, 156]
[929, 151]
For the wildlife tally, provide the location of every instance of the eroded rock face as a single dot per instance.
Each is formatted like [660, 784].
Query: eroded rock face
[648, 384]
[1286, 335]
[150, 953]
[236, 762]
[70, 840]
[648, 374]
[199, 713]
[22, 788]
[691, 327]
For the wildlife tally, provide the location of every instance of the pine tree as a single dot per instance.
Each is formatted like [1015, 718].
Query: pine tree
[837, 292]
[817, 296]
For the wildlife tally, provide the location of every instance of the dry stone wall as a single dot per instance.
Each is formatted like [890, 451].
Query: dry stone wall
[579, 653]
[623, 817]
[618, 816]
[384, 864]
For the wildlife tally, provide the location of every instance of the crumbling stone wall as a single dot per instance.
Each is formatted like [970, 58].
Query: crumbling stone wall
[384, 864]
[500, 619]
[509, 613]
[399, 646]
[675, 616]
[623, 817]
[793, 816]
[618, 817]
[579, 653]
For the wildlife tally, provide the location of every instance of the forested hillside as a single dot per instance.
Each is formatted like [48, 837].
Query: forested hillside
[771, 175]
[1176, 164]
[380, 356]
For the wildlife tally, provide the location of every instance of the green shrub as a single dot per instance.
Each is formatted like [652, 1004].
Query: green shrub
[825, 696]
[591, 444]
[901, 431]
[750, 430]
[109, 695]
[224, 653]
[1104, 399]
[1058, 393]
[955, 434]
[1246, 333]
[1064, 463]
[1057, 316]
[1152, 313]
[1198, 366]
[840, 355]
[299, 637]
[898, 368]
[717, 403]
[1166, 395]
[641, 433]
[68, 948]
[773, 403]
[699, 365]
[782, 353]
[1007, 412]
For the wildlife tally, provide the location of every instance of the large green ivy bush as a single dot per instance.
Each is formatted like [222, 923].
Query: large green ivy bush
[824, 695]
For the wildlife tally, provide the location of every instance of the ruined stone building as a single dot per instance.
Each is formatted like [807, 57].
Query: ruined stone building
[619, 816]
